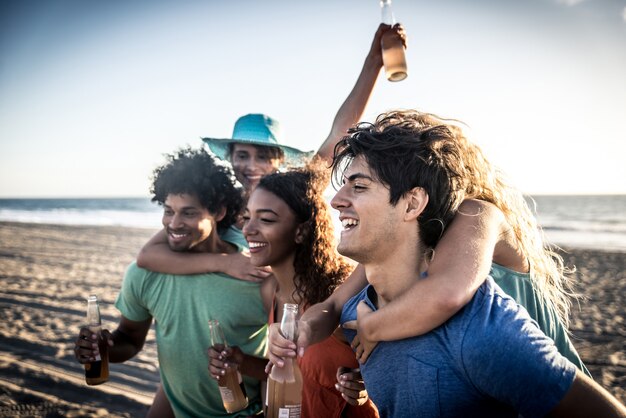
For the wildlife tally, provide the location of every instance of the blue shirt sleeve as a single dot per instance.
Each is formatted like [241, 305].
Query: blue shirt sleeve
[506, 356]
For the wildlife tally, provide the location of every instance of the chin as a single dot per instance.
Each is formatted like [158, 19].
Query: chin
[178, 247]
[346, 251]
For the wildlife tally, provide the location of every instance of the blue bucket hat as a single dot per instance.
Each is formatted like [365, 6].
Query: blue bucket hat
[257, 129]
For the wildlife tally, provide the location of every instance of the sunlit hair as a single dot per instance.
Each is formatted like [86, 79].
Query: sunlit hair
[264, 151]
[195, 172]
[548, 274]
[319, 269]
[474, 177]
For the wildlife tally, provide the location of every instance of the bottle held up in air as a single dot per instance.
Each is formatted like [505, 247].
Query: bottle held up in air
[231, 384]
[284, 385]
[393, 50]
[96, 372]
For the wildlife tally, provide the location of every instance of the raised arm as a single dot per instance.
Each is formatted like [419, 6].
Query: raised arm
[460, 265]
[352, 108]
[156, 255]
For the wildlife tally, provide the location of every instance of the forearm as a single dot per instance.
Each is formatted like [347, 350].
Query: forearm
[353, 107]
[161, 259]
[586, 398]
[253, 367]
[123, 348]
[323, 318]
[461, 263]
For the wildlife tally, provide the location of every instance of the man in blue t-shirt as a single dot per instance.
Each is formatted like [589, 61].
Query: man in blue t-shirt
[401, 184]
[199, 198]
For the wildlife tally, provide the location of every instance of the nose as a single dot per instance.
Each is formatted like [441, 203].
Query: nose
[339, 201]
[174, 221]
[248, 228]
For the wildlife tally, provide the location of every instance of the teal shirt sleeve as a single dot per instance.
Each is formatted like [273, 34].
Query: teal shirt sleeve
[519, 287]
[130, 302]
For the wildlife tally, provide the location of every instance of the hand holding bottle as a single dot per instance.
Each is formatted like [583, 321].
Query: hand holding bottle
[281, 348]
[223, 358]
[86, 346]
[376, 51]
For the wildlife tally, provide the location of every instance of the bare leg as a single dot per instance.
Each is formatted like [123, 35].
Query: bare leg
[160, 406]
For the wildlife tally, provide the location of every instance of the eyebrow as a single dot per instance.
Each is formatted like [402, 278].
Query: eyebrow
[166, 206]
[356, 176]
[262, 211]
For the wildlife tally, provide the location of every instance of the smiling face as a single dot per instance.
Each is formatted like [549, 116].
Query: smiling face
[250, 163]
[187, 223]
[270, 227]
[371, 225]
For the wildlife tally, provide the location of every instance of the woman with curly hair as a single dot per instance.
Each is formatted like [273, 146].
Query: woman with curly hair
[288, 227]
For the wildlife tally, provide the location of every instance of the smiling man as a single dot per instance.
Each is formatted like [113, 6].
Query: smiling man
[199, 200]
[402, 182]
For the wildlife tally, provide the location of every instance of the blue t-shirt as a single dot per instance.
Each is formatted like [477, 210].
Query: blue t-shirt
[489, 360]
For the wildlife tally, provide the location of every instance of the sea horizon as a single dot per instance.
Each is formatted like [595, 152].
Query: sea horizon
[586, 221]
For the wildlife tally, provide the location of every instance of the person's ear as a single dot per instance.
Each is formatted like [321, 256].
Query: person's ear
[416, 201]
[219, 215]
[301, 232]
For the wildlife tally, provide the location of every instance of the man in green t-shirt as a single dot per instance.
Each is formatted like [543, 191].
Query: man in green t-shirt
[199, 199]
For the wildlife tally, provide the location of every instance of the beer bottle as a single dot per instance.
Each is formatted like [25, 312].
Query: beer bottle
[284, 384]
[231, 384]
[393, 50]
[97, 371]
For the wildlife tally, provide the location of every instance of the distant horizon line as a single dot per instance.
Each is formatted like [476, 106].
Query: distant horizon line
[149, 197]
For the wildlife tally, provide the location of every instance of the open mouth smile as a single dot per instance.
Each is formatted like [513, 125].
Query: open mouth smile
[349, 223]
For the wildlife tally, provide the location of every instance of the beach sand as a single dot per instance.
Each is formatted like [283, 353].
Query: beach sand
[47, 272]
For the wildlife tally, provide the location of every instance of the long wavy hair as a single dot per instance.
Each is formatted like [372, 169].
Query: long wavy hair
[548, 273]
[410, 148]
[319, 269]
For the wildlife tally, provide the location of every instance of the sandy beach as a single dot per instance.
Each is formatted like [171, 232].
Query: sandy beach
[47, 271]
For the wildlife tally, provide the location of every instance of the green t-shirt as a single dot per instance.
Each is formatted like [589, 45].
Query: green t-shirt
[519, 287]
[181, 307]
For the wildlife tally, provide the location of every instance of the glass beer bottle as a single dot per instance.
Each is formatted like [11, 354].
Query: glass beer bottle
[97, 371]
[231, 384]
[394, 59]
[284, 384]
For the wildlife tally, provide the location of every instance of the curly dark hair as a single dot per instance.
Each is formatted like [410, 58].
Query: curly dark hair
[408, 149]
[197, 173]
[319, 268]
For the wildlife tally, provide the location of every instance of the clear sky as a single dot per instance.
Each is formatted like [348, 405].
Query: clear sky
[93, 93]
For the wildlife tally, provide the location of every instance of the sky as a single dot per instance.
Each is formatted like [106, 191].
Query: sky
[93, 93]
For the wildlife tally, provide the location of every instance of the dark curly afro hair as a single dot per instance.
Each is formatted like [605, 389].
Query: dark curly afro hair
[195, 172]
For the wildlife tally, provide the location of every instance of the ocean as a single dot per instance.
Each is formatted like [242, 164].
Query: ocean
[589, 222]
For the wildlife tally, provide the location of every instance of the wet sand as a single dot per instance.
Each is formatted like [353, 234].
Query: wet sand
[47, 272]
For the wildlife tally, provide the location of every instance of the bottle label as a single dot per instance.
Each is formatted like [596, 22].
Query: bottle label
[289, 411]
[227, 394]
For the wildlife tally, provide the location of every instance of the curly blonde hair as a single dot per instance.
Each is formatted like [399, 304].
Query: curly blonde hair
[484, 181]
[407, 147]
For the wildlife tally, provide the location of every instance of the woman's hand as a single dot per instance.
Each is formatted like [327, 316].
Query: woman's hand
[360, 344]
